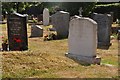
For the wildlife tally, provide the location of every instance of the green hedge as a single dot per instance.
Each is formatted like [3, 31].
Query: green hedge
[107, 8]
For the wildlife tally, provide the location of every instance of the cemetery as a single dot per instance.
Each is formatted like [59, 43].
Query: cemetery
[60, 43]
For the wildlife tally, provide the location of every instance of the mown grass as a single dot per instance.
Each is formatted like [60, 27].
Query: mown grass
[46, 59]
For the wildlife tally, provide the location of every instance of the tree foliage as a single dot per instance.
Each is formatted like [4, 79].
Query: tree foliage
[107, 8]
[9, 7]
[71, 7]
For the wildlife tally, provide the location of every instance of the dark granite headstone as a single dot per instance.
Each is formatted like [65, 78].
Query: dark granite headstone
[17, 32]
[60, 21]
[104, 28]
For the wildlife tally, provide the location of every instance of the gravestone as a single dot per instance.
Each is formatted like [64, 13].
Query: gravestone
[45, 17]
[17, 32]
[40, 17]
[60, 22]
[82, 40]
[104, 28]
[36, 31]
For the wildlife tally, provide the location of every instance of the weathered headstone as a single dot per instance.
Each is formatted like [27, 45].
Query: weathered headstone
[46, 17]
[40, 17]
[104, 28]
[82, 40]
[36, 31]
[17, 32]
[60, 21]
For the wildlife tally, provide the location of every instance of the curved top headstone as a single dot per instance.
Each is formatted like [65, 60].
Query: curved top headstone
[82, 39]
[45, 17]
[60, 21]
[104, 28]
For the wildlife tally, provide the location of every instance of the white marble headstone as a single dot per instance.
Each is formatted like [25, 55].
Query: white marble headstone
[46, 17]
[82, 39]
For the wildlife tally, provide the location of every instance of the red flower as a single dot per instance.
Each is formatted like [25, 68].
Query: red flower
[18, 41]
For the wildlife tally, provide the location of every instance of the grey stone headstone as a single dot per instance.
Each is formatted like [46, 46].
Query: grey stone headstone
[36, 31]
[17, 32]
[46, 17]
[82, 40]
[104, 28]
[60, 22]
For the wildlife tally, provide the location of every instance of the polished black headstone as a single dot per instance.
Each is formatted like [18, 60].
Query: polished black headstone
[17, 32]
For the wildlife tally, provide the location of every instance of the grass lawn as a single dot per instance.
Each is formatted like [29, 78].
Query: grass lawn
[46, 59]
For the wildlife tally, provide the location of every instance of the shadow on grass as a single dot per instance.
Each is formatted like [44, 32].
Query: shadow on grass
[78, 61]
[61, 38]
[105, 47]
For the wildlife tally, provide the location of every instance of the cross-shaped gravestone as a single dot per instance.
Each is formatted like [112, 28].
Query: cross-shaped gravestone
[80, 11]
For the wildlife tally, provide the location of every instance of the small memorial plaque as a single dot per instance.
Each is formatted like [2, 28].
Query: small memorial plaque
[17, 32]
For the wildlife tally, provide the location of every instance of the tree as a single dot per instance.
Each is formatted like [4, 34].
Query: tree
[9, 7]
[74, 7]
[71, 7]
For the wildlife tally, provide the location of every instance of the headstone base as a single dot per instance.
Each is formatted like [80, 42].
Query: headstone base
[84, 59]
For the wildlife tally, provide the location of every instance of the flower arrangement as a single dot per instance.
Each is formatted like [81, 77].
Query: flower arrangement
[34, 20]
[4, 43]
[50, 36]
[4, 40]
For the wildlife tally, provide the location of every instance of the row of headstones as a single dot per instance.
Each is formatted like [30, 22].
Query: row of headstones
[61, 20]
[82, 39]
[84, 34]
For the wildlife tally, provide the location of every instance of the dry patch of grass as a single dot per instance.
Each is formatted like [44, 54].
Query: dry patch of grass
[46, 59]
